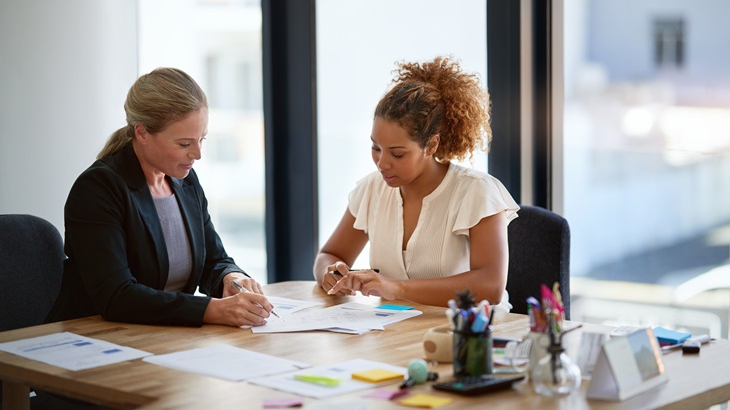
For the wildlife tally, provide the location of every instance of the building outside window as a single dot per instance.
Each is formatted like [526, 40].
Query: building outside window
[669, 42]
[647, 162]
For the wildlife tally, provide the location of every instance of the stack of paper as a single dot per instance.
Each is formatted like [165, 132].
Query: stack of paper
[226, 362]
[350, 317]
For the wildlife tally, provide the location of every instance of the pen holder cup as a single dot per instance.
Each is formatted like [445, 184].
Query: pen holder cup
[472, 353]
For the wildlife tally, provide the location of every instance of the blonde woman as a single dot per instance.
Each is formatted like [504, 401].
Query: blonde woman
[139, 238]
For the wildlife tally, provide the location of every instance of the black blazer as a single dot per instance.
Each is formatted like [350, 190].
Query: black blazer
[117, 258]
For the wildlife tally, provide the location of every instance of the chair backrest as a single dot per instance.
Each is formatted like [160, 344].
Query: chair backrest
[31, 266]
[539, 253]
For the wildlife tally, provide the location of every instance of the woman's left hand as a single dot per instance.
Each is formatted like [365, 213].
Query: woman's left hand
[369, 283]
[243, 280]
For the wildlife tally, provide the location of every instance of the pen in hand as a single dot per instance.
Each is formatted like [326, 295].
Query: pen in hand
[336, 272]
[241, 289]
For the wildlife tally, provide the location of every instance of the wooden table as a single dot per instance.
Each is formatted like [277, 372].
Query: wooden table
[695, 382]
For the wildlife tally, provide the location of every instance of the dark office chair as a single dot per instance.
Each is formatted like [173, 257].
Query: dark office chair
[539, 252]
[31, 265]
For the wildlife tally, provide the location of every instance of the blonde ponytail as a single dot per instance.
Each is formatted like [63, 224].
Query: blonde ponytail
[155, 100]
[116, 141]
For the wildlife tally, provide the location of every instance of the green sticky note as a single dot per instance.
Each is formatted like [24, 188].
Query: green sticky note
[317, 379]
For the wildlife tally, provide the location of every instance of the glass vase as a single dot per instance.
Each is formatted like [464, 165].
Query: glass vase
[555, 374]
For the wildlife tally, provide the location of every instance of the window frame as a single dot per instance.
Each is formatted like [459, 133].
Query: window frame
[524, 77]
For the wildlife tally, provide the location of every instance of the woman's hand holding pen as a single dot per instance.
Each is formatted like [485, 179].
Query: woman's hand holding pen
[334, 273]
[241, 279]
[236, 307]
[368, 282]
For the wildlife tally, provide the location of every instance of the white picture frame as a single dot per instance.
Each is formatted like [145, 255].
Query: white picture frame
[627, 366]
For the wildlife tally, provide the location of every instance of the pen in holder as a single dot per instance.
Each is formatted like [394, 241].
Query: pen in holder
[472, 337]
[473, 353]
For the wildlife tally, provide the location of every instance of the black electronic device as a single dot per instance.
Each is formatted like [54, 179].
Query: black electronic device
[475, 385]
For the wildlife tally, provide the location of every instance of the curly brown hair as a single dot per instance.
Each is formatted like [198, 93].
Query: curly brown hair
[437, 97]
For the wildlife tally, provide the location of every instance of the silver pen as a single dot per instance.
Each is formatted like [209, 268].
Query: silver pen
[241, 289]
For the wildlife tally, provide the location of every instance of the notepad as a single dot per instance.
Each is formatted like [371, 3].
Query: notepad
[377, 376]
[425, 400]
[672, 337]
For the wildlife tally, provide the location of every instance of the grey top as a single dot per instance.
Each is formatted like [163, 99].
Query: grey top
[176, 239]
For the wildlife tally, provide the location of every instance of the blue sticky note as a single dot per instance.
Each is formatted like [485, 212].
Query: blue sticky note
[670, 336]
[395, 307]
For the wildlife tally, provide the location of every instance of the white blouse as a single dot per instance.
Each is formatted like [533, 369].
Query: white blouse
[439, 246]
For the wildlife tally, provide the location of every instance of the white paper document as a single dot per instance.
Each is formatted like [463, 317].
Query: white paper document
[385, 316]
[226, 362]
[348, 318]
[286, 306]
[342, 371]
[71, 351]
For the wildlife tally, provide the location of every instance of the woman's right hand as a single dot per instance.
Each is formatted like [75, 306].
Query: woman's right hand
[334, 273]
[241, 309]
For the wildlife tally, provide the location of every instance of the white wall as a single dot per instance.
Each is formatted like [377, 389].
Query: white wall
[65, 68]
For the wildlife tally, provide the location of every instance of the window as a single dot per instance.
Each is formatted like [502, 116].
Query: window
[358, 43]
[669, 42]
[219, 44]
[647, 163]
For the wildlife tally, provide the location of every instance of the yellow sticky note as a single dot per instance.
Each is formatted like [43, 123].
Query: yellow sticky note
[424, 400]
[377, 376]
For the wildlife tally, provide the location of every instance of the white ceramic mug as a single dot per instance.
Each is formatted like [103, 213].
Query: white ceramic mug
[438, 344]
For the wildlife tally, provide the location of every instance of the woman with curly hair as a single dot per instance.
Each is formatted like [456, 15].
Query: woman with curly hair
[434, 227]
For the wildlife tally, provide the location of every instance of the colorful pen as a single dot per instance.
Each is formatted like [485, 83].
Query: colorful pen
[480, 323]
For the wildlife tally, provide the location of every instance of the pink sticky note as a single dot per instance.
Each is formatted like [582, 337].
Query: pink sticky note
[282, 402]
[386, 394]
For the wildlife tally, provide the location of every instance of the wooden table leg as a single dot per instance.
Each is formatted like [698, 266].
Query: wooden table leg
[16, 396]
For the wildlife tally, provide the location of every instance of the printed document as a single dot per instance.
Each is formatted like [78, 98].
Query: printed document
[226, 362]
[71, 351]
[346, 318]
[286, 306]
